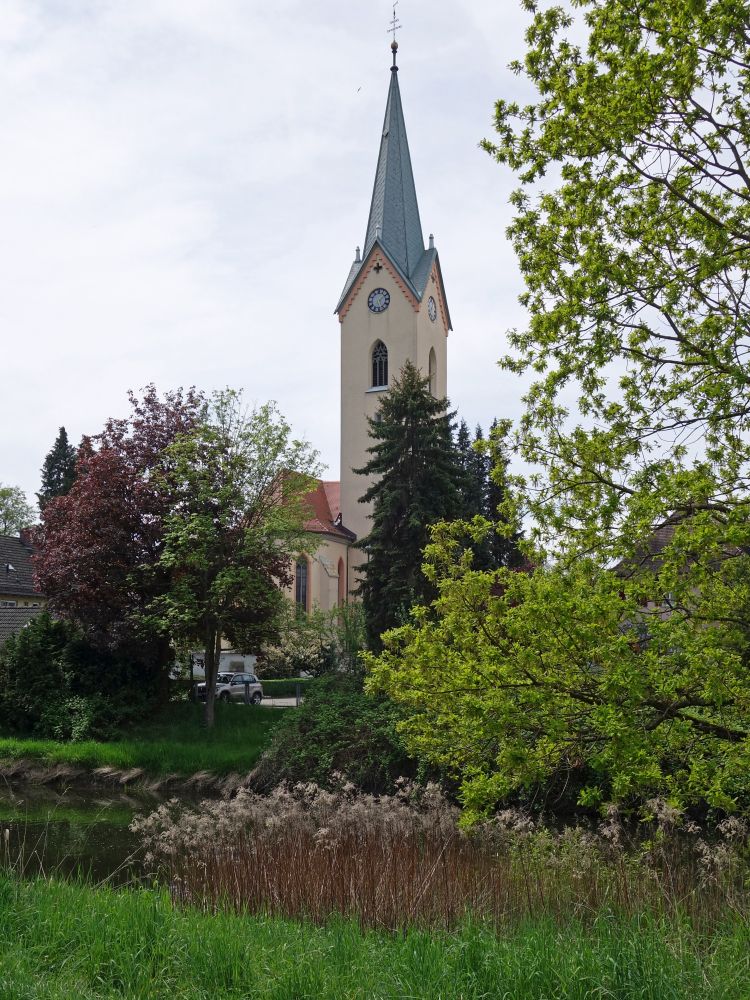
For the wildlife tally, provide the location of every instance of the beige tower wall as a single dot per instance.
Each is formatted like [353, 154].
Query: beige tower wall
[409, 334]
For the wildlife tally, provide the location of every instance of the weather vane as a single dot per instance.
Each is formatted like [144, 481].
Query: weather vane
[395, 23]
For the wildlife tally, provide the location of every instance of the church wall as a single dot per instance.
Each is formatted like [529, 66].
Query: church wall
[323, 574]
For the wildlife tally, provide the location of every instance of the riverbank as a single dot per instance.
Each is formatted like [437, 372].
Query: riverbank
[62, 940]
[171, 749]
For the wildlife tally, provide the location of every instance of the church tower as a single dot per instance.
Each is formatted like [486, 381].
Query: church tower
[393, 308]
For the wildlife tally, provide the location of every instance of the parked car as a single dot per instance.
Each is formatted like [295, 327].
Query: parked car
[231, 687]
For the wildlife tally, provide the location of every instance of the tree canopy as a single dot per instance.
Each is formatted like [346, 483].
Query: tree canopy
[237, 481]
[58, 471]
[15, 512]
[418, 484]
[616, 665]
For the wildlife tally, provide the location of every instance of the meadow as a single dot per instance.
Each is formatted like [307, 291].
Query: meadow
[62, 940]
[173, 742]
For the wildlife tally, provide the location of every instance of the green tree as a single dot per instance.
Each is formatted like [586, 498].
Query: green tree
[238, 481]
[620, 663]
[15, 512]
[417, 483]
[58, 471]
[632, 228]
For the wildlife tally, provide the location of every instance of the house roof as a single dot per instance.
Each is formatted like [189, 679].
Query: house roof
[394, 224]
[16, 568]
[325, 508]
[12, 620]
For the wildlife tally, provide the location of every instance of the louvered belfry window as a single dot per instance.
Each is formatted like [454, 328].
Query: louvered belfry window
[379, 365]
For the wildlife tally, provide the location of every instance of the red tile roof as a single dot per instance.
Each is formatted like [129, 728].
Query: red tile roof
[325, 507]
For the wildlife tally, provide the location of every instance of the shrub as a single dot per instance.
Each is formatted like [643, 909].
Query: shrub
[338, 728]
[54, 683]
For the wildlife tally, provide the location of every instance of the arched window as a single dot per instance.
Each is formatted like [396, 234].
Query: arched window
[342, 582]
[379, 365]
[300, 584]
[433, 372]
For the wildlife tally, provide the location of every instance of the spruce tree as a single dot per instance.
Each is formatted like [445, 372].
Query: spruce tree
[418, 480]
[502, 551]
[58, 471]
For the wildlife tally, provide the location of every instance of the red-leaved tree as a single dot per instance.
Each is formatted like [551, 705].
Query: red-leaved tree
[99, 546]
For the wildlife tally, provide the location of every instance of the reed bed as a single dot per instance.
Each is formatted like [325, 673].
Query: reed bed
[403, 861]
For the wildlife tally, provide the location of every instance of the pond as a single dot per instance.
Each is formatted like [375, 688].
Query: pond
[81, 832]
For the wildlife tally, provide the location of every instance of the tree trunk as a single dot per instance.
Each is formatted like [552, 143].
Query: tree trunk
[211, 660]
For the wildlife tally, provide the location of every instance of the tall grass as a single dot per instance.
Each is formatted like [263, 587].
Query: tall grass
[174, 742]
[63, 941]
[399, 861]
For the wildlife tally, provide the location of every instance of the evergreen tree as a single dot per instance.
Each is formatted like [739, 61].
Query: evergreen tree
[503, 551]
[418, 482]
[58, 471]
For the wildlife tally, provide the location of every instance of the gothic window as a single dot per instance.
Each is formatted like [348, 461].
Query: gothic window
[433, 372]
[379, 365]
[300, 584]
[342, 582]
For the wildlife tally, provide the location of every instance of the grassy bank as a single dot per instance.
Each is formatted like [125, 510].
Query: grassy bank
[175, 742]
[59, 941]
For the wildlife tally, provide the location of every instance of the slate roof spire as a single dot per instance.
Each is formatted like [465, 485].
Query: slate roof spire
[394, 212]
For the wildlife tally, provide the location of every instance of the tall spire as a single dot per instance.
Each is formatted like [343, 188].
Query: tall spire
[394, 212]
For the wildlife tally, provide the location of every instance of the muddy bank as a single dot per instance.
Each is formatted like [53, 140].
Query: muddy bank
[35, 772]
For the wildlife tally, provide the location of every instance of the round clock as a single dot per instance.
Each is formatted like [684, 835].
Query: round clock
[431, 309]
[378, 300]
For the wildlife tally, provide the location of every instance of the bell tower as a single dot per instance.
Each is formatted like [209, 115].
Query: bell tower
[392, 309]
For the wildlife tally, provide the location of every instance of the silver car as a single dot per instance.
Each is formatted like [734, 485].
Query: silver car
[231, 687]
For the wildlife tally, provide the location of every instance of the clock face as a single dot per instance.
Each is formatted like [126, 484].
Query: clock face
[431, 309]
[378, 300]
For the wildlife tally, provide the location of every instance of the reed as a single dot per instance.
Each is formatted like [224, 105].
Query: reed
[401, 861]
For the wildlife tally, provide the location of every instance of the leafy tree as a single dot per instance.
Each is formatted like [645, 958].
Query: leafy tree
[237, 482]
[576, 682]
[100, 544]
[58, 471]
[15, 512]
[632, 228]
[636, 257]
[417, 483]
[317, 643]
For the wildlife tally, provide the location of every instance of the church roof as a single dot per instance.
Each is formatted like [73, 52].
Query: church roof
[394, 212]
[394, 223]
[324, 505]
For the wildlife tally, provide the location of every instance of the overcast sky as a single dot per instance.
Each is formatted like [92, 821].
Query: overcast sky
[183, 184]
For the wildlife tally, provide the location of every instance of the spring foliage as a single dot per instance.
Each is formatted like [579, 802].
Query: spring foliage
[619, 666]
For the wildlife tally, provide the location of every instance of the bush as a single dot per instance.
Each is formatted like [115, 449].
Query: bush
[54, 683]
[277, 688]
[337, 729]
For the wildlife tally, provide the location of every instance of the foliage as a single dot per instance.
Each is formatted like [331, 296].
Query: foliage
[337, 728]
[15, 512]
[632, 229]
[316, 643]
[62, 940]
[99, 544]
[417, 481]
[54, 683]
[237, 482]
[484, 464]
[619, 665]
[58, 471]
[578, 678]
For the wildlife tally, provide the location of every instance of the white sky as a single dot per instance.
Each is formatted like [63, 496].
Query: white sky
[183, 184]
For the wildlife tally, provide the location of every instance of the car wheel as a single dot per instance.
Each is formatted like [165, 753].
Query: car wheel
[255, 699]
[224, 696]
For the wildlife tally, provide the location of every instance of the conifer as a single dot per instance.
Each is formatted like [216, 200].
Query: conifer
[58, 471]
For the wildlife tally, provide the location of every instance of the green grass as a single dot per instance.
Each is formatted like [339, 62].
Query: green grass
[174, 742]
[59, 941]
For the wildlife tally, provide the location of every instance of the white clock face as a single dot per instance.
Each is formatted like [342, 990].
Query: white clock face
[431, 309]
[378, 300]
